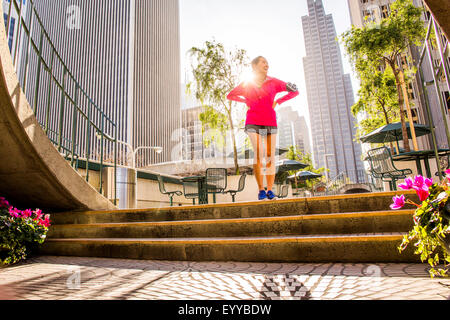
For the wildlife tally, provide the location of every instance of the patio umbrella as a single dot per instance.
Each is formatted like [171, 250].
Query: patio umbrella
[393, 133]
[305, 176]
[290, 165]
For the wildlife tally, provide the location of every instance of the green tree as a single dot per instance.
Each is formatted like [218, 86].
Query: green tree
[217, 125]
[216, 72]
[384, 44]
[295, 154]
[378, 100]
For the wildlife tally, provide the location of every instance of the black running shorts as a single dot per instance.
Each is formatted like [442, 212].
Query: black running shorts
[261, 130]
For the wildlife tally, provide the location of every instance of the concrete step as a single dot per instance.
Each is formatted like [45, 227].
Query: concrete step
[278, 208]
[343, 223]
[361, 248]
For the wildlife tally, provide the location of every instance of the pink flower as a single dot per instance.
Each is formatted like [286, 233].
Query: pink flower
[447, 172]
[423, 194]
[27, 213]
[4, 203]
[408, 185]
[399, 202]
[38, 213]
[15, 213]
[45, 222]
[422, 187]
[422, 183]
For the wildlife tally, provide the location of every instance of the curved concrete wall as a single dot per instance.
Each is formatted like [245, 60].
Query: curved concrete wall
[32, 172]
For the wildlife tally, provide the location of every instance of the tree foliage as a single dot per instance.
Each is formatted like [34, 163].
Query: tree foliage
[378, 101]
[381, 45]
[216, 73]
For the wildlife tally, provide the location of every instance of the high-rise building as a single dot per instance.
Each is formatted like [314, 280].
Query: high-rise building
[125, 54]
[292, 130]
[194, 147]
[362, 11]
[330, 96]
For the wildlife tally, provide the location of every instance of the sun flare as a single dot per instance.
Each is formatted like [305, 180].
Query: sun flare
[247, 77]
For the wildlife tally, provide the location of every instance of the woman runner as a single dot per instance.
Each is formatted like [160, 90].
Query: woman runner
[261, 124]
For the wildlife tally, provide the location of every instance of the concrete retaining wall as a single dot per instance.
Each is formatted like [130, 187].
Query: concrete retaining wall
[32, 172]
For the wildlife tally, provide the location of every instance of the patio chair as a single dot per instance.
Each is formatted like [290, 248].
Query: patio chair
[190, 189]
[241, 188]
[445, 165]
[283, 191]
[216, 181]
[163, 190]
[382, 167]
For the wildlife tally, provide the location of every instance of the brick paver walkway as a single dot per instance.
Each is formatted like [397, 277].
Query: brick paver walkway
[55, 278]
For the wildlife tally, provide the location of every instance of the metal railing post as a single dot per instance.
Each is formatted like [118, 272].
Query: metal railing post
[50, 82]
[115, 165]
[88, 141]
[61, 111]
[441, 53]
[38, 78]
[101, 153]
[27, 57]
[74, 123]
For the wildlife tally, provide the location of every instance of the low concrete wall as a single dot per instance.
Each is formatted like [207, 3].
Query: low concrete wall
[149, 196]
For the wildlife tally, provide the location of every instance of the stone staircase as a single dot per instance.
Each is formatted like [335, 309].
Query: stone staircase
[350, 228]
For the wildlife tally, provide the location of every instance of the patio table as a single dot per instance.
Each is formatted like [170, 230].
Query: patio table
[202, 190]
[418, 156]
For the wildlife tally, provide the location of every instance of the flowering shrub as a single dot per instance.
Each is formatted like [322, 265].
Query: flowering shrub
[20, 231]
[431, 233]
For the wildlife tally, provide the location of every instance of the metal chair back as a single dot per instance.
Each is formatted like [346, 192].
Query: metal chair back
[242, 183]
[284, 191]
[216, 180]
[162, 188]
[381, 161]
[190, 189]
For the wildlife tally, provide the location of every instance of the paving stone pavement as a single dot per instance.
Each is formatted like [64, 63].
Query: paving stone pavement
[68, 278]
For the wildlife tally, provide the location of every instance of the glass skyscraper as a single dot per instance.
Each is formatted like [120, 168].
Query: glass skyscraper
[330, 97]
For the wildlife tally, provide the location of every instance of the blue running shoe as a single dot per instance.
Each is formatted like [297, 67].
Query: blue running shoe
[262, 195]
[270, 195]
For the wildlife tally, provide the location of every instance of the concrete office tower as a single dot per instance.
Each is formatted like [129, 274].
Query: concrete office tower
[292, 130]
[330, 97]
[126, 56]
[193, 146]
[375, 10]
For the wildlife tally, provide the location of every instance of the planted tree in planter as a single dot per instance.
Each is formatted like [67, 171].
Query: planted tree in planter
[431, 232]
[385, 44]
[20, 231]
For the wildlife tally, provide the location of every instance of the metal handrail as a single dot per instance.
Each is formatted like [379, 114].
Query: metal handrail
[66, 98]
[436, 72]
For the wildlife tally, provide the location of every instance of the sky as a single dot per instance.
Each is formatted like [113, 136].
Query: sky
[271, 28]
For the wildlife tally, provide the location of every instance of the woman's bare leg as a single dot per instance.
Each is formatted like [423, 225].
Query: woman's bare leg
[256, 141]
[271, 143]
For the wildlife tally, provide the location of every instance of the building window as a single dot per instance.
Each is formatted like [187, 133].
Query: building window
[11, 30]
[385, 12]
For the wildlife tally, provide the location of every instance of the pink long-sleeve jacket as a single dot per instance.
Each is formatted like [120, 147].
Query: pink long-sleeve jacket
[261, 100]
